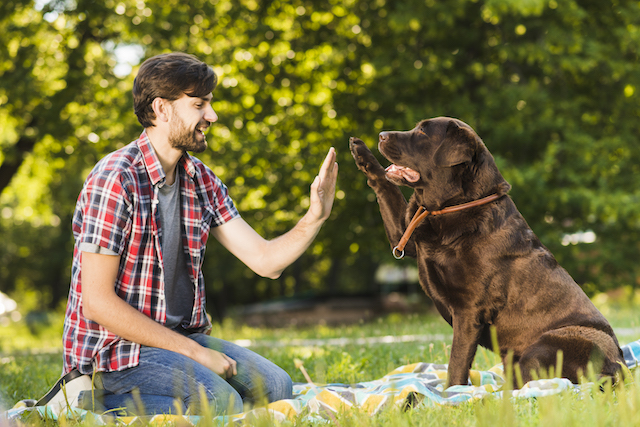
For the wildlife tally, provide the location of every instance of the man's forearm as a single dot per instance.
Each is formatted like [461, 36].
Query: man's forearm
[121, 319]
[267, 258]
[285, 249]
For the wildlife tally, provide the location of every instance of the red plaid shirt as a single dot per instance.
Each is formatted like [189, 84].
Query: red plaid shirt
[118, 210]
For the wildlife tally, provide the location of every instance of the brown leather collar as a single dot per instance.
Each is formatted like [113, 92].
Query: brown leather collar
[422, 213]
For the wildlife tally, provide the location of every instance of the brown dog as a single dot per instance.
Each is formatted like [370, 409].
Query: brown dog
[482, 265]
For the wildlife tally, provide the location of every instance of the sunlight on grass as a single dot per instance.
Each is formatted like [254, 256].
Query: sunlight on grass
[393, 324]
[24, 336]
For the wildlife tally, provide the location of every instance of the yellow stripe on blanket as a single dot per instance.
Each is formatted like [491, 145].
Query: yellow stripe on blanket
[373, 403]
[406, 369]
[284, 407]
[476, 378]
[402, 397]
[329, 400]
[166, 419]
[155, 420]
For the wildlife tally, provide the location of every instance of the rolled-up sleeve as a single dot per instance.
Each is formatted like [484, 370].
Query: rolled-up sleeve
[106, 212]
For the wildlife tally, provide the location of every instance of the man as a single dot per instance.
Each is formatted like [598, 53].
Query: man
[136, 309]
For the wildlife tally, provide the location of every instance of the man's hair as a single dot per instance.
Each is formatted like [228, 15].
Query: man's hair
[169, 76]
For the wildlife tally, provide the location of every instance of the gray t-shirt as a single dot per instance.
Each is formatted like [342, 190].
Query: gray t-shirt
[178, 289]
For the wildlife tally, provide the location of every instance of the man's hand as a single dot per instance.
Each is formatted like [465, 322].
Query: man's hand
[323, 188]
[218, 362]
[269, 258]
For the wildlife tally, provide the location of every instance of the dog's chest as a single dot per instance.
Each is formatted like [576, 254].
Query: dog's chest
[456, 277]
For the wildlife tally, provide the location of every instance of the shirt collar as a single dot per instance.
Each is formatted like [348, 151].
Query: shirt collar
[153, 165]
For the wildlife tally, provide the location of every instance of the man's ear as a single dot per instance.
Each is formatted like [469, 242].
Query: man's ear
[457, 147]
[161, 109]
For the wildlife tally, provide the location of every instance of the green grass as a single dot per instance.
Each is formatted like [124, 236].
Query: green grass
[30, 362]
[353, 362]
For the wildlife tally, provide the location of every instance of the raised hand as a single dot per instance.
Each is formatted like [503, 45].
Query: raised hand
[323, 188]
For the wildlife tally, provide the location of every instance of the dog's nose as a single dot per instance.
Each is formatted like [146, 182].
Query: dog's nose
[384, 136]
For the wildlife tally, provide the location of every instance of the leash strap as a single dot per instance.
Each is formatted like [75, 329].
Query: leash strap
[422, 213]
[72, 375]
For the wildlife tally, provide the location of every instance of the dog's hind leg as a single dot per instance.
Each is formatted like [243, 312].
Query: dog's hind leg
[391, 201]
[579, 345]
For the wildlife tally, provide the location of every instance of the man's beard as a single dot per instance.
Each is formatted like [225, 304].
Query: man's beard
[185, 139]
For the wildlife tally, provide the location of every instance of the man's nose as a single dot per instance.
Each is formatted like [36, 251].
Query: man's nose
[210, 115]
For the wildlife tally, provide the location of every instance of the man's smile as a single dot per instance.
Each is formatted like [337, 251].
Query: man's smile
[202, 128]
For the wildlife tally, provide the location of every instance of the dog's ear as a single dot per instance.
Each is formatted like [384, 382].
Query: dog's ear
[457, 147]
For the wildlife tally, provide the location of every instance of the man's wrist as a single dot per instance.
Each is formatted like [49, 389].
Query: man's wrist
[312, 221]
[186, 346]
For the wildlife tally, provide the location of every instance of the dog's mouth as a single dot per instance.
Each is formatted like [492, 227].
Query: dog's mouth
[401, 172]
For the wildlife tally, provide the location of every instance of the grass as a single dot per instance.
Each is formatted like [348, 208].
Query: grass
[30, 362]
[352, 362]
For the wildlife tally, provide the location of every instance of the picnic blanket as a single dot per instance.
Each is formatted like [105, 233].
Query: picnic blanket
[410, 385]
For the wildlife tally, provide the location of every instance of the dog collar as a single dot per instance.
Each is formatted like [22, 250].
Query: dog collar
[422, 213]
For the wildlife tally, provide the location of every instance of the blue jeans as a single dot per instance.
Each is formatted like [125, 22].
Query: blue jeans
[164, 379]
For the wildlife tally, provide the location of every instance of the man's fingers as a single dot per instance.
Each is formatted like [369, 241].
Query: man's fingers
[329, 162]
[323, 186]
[334, 173]
[221, 364]
[329, 171]
[233, 369]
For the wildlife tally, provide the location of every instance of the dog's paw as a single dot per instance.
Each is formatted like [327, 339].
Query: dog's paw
[365, 160]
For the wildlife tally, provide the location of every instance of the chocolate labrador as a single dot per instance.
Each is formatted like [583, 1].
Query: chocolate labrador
[478, 260]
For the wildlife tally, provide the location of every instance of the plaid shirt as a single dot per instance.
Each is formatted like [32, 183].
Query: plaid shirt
[118, 210]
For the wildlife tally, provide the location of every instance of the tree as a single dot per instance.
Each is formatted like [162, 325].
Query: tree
[58, 93]
[550, 87]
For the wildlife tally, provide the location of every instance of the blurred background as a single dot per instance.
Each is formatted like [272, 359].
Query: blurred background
[552, 87]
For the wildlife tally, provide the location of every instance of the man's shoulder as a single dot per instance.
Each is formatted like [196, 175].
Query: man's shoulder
[123, 164]
[214, 194]
[204, 171]
[122, 159]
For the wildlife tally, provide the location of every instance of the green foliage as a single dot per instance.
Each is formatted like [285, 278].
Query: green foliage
[551, 87]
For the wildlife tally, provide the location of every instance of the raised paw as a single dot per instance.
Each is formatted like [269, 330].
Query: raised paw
[365, 160]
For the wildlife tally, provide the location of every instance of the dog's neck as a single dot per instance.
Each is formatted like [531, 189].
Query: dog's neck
[422, 213]
[423, 197]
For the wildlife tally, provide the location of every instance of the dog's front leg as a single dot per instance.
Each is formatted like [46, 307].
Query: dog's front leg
[391, 201]
[466, 335]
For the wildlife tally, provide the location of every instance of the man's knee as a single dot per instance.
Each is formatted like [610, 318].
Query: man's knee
[228, 402]
[280, 386]
[219, 401]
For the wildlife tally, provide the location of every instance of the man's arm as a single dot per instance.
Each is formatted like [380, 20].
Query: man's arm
[102, 305]
[269, 258]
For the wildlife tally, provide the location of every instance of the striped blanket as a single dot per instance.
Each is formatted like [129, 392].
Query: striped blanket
[415, 384]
